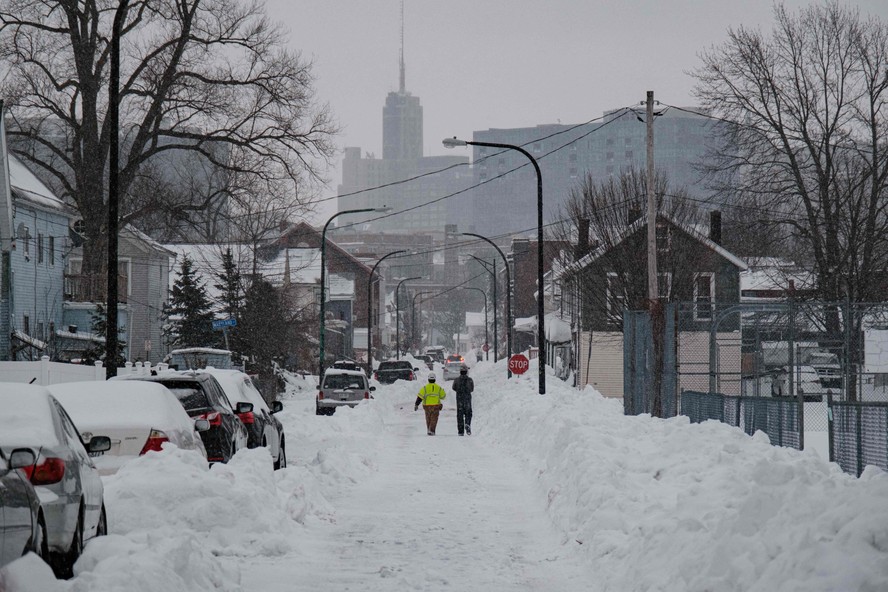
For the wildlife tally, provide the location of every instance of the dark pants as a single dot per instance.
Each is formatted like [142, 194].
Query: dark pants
[463, 413]
[431, 414]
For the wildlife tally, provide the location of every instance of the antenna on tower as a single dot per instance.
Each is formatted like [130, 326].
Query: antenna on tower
[403, 76]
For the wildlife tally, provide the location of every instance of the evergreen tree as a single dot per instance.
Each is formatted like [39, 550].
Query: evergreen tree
[231, 301]
[189, 313]
[229, 285]
[96, 350]
[266, 331]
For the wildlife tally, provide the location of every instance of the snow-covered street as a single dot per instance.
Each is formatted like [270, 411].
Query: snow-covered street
[437, 513]
[555, 492]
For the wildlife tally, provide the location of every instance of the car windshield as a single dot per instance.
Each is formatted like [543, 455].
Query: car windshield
[190, 395]
[343, 381]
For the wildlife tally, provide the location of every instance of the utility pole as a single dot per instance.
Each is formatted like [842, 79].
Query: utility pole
[111, 341]
[654, 305]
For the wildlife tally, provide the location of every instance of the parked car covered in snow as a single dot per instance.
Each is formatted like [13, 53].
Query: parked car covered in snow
[138, 417]
[63, 474]
[263, 428]
[203, 398]
[22, 526]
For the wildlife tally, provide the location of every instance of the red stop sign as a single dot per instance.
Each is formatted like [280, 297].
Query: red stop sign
[485, 348]
[518, 364]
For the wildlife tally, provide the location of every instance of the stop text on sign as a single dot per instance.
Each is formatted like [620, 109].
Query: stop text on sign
[519, 364]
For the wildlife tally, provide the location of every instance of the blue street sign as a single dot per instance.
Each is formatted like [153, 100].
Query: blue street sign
[221, 324]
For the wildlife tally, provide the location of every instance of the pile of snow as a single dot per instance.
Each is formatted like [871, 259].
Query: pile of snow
[650, 504]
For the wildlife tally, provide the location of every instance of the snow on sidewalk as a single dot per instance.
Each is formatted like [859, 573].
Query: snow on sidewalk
[443, 512]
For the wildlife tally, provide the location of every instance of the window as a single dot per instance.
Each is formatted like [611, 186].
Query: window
[664, 285]
[26, 324]
[39, 248]
[610, 156]
[629, 154]
[664, 238]
[704, 296]
[26, 238]
[52, 250]
[573, 173]
[537, 146]
[40, 333]
[615, 297]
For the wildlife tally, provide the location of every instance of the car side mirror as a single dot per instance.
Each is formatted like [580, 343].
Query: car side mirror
[416, 369]
[201, 425]
[99, 444]
[276, 406]
[372, 388]
[318, 387]
[243, 408]
[21, 458]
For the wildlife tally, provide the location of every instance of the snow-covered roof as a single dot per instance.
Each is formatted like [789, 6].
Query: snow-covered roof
[557, 329]
[642, 223]
[474, 319]
[26, 185]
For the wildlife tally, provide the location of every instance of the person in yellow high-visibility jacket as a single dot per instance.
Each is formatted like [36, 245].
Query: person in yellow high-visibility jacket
[431, 395]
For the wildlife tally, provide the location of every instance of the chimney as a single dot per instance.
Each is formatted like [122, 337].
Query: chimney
[634, 213]
[715, 226]
[582, 238]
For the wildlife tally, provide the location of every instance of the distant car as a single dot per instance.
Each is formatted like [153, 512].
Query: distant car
[436, 352]
[347, 365]
[63, 474]
[263, 428]
[455, 358]
[391, 370]
[341, 388]
[429, 362]
[138, 417]
[452, 368]
[203, 398]
[22, 526]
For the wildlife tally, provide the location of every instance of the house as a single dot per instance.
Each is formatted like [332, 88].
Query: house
[347, 286]
[143, 281]
[35, 242]
[693, 268]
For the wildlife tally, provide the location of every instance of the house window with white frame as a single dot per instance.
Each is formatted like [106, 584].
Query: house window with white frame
[704, 296]
[664, 285]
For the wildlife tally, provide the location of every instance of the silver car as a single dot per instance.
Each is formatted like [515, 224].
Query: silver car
[341, 388]
[64, 476]
[22, 528]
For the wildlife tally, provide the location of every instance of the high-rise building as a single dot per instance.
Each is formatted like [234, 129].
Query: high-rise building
[414, 187]
[505, 181]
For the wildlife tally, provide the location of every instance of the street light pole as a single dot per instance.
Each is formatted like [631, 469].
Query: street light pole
[370, 314]
[398, 315]
[413, 316]
[323, 279]
[493, 274]
[541, 329]
[483, 293]
[508, 296]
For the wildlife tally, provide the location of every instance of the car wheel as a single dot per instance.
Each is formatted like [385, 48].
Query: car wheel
[102, 528]
[63, 563]
[281, 462]
[318, 410]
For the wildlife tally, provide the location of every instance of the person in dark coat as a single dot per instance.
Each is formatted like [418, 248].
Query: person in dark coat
[464, 386]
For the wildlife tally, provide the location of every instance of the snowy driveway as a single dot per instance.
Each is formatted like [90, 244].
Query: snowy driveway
[439, 513]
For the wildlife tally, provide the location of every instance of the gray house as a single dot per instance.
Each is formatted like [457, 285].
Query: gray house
[143, 289]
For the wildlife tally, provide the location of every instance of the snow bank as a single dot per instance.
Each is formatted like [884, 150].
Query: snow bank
[667, 505]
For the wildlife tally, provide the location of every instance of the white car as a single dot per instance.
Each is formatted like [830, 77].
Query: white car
[138, 417]
[64, 476]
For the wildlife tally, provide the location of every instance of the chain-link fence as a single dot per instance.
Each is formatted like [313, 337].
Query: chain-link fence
[771, 366]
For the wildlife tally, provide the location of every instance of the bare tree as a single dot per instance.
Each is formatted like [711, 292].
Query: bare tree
[613, 208]
[809, 104]
[209, 78]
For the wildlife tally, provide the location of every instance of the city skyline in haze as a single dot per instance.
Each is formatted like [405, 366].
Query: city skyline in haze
[505, 63]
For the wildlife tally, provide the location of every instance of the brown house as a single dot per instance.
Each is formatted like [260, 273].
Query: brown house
[347, 286]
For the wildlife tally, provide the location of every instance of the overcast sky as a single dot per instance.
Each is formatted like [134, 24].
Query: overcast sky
[479, 64]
